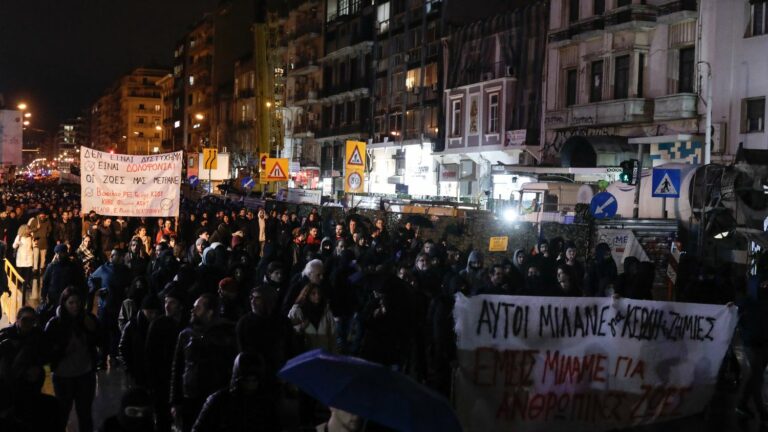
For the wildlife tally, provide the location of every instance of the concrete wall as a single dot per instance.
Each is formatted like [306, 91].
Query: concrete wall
[739, 67]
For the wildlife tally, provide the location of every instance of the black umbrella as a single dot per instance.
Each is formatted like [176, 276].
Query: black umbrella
[420, 221]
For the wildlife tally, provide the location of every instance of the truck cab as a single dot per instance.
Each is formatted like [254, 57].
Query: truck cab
[549, 202]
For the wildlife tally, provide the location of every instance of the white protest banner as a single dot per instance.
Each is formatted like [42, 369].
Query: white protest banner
[130, 185]
[584, 364]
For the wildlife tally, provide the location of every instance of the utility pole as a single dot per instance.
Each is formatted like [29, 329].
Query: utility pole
[264, 90]
[708, 103]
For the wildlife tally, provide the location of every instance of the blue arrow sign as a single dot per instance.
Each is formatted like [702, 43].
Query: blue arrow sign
[666, 183]
[247, 182]
[193, 181]
[603, 205]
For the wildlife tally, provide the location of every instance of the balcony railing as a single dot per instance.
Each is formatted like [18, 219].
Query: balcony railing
[348, 129]
[593, 24]
[630, 14]
[308, 94]
[356, 84]
[245, 93]
[481, 73]
[678, 6]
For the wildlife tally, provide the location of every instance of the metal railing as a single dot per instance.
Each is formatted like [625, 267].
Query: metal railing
[12, 302]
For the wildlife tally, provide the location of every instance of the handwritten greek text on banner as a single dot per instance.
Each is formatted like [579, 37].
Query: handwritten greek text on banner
[130, 185]
[586, 364]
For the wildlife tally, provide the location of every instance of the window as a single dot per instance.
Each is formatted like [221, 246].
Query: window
[621, 3]
[382, 17]
[191, 80]
[640, 74]
[753, 115]
[141, 107]
[177, 124]
[686, 70]
[141, 120]
[596, 82]
[157, 108]
[570, 87]
[621, 78]
[573, 11]
[598, 7]
[759, 22]
[493, 113]
[456, 117]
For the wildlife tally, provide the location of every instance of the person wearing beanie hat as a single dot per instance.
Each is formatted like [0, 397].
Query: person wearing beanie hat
[230, 307]
[61, 249]
[132, 347]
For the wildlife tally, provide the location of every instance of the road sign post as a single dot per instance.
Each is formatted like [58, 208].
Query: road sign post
[665, 183]
[603, 205]
[210, 159]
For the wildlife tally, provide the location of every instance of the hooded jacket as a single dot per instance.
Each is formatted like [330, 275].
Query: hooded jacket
[477, 278]
[236, 409]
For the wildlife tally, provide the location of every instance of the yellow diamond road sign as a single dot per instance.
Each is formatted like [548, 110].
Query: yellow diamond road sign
[210, 158]
[277, 169]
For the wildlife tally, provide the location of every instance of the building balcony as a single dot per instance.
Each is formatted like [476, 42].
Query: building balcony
[675, 106]
[582, 28]
[678, 10]
[304, 96]
[303, 66]
[355, 88]
[245, 93]
[347, 129]
[476, 74]
[311, 28]
[618, 111]
[632, 17]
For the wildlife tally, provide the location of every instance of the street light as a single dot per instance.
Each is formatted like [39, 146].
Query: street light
[27, 115]
[21, 106]
[199, 116]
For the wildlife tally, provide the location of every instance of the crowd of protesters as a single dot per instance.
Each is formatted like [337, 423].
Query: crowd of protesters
[202, 312]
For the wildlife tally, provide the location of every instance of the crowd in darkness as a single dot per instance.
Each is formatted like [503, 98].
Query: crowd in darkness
[201, 312]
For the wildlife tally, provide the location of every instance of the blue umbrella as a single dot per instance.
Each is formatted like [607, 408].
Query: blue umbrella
[370, 391]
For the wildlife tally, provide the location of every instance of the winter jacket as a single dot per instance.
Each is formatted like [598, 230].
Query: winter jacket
[60, 274]
[132, 348]
[162, 335]
[60, 329]
[202, 360]
[41, 230]
[234, 410]
[23, 247]
[320, 336]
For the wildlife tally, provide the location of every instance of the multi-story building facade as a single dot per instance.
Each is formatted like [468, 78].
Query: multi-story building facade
[622, 73]
[739, 81]
[346, 82]
[71, 135]
[302, 45]
[127, 118]
[198, 91]
[406, 96]
[492, 100]
[167, 97]
[243, 149]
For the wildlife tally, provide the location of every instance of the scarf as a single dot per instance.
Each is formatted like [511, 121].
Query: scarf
[87, 254]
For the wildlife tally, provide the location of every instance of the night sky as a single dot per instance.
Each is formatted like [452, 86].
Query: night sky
[60, 55]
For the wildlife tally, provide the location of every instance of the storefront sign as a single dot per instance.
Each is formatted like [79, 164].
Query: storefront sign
[585, 364]
[515, 137]
[303, 196]
[449, 172]
[130, 185]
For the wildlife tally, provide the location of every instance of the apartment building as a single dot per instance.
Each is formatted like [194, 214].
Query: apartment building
[127, 118]
[623, 73]
[346, 82]
[493, 99]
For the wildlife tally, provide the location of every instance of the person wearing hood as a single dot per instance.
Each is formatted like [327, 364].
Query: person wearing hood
[162, 336]
[519, 269]
[208, 272]
[73, 336]
[474, 273]
[136, 413]
[575, 267]
[132, 347]
[601, 273]
[204, 351]
[246, 405]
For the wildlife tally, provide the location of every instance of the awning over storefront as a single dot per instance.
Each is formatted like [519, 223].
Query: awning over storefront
[583, 151]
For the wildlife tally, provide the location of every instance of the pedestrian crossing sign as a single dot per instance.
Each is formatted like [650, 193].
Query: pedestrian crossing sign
[666, 183]
[277, 169]
[355, 151]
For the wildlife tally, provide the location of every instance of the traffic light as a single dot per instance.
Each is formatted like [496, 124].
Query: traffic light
[629, 174]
